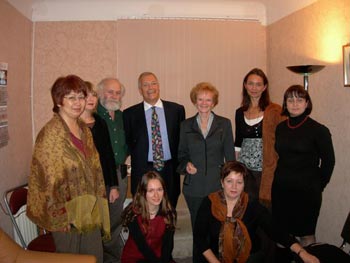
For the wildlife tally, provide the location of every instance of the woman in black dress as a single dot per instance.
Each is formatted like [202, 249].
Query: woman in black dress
[304, 168]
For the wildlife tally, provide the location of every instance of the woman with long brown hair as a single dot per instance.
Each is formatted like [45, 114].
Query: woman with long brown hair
[151, 223]
[256, 121]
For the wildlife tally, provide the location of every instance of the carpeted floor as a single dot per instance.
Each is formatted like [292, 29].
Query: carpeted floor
[183, 260]
[183, 236]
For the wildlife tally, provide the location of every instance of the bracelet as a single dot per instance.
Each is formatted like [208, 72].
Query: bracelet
[301, 250]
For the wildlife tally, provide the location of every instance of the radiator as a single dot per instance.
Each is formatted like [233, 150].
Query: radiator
[27, 228]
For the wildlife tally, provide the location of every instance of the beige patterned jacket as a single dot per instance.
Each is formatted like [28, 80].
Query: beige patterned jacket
[66, 187]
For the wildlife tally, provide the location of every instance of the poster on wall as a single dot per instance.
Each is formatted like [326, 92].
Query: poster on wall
[3, 73]
[3, 95]
[4, 134]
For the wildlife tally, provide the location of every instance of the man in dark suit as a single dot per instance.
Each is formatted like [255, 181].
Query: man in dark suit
[138, 133]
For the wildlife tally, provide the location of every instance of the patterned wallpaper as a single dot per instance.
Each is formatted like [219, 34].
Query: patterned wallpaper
[15, 49]
[180, 52]
[315, 35]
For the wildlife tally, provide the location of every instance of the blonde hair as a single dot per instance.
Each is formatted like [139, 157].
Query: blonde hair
[204, 87]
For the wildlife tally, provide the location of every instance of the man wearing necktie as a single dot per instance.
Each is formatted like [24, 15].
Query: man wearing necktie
[152, 130]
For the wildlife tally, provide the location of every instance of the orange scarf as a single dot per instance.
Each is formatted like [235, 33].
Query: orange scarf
[234, 240]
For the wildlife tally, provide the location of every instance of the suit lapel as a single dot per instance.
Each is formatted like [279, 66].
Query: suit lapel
[142, 124]
[168, 119]
[214, 125]
[195, 125]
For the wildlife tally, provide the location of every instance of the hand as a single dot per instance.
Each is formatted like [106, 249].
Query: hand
[113, 195]
[190, 168]
[66, 229]
[307, 257]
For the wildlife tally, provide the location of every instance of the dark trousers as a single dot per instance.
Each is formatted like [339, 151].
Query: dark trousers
[252, 187]
[85, 243]
[171, 179]
[112, 249]
[193, 204]
[252, 184]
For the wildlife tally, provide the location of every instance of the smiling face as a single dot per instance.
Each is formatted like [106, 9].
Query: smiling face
[205, 102]
[111, 95]
[72, 106]
[233, 185]
[254, 86]
[91, 101]
[149, 89]
[154, 194]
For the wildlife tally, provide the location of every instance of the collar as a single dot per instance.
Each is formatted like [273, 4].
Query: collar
[100, 108]
[147, 106]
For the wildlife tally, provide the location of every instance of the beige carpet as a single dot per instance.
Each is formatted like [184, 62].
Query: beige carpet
[183, 236]
[183, 260]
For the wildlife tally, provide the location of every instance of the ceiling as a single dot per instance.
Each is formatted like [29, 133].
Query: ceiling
[265, 11]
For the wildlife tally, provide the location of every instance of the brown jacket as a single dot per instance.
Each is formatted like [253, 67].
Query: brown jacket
[272, 117]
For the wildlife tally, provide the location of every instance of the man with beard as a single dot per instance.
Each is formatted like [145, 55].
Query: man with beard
[110, 93]
[140, 129]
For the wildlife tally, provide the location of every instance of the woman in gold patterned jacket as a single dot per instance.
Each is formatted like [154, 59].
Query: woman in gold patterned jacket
[66, 192]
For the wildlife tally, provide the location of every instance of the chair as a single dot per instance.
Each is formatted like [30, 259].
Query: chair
[345, 233]
[15, 203]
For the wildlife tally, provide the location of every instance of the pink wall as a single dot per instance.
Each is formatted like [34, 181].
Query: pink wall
[15, 49]
[180, 52]
[315, 35]
[87, 49]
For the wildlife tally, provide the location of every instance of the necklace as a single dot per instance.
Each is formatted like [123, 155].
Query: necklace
[298, 125]
[153, 212]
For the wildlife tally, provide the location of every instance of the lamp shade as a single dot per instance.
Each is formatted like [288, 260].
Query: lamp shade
[306, 71]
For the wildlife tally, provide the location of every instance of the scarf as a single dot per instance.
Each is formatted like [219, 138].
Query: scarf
[66, 186]
[234, 240]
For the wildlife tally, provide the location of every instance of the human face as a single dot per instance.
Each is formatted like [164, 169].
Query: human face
[91, 101]
[73, 105]
[296, 106]
[150, 89]
[111, 96]
[233, 186]
[154, 194]
[254, 86]
[204, 102]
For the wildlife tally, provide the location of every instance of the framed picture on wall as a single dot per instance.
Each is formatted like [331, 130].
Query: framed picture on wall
[346, 64]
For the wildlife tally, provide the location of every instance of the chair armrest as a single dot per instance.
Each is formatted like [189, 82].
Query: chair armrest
[27, 256]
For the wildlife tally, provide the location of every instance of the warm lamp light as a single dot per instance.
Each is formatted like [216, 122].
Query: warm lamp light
[306, 71]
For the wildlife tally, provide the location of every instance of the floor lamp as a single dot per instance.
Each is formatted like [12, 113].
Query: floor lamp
[306, 71]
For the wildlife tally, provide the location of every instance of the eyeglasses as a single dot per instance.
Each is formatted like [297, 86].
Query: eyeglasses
[297, 100]
[72, 98]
